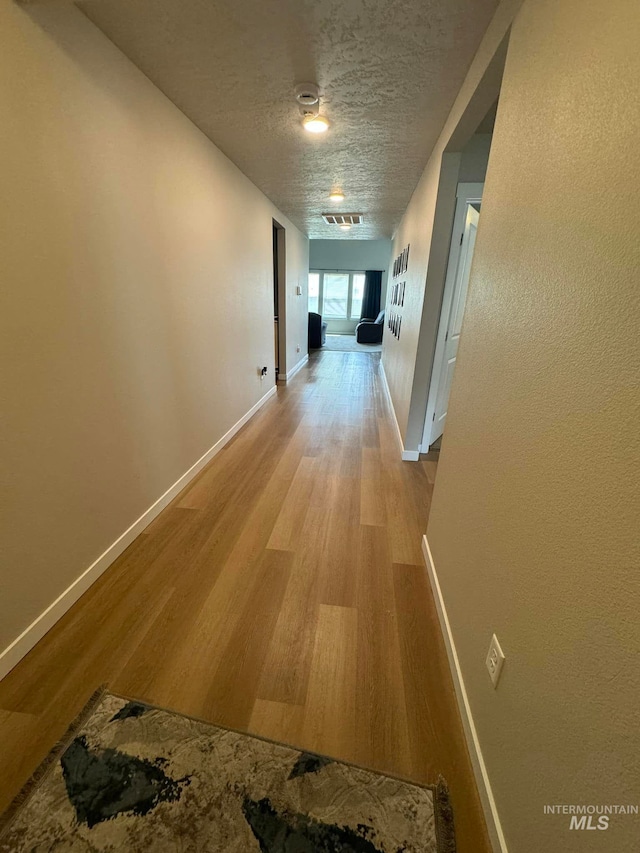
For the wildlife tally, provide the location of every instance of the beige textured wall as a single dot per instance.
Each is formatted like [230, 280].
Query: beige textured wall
[136, 272]
[400, 355]
[427, 228]
[534, 524]
[475, 159]
[297, 312]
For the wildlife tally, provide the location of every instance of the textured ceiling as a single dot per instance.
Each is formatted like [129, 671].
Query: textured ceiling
[389, 71]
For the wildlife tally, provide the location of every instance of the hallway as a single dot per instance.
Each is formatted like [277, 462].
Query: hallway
[283, 592]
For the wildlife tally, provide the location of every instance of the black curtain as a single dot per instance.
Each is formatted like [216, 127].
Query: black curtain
[372, 292]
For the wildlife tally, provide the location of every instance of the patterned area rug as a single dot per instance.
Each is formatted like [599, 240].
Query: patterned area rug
[130, 777]
[348, 343]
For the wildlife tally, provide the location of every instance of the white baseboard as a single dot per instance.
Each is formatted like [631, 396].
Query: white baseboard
[385, 385]
[47, 619]
[407, 455]
[285, 377]
[482, 778]
[411, 455]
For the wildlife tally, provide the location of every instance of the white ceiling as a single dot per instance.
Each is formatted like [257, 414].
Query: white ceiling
[389, 70]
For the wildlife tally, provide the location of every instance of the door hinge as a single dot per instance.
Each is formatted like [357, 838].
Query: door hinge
[446, 337]
[434, 417]
[461, 238]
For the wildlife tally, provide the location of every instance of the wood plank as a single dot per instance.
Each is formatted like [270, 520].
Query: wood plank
[430, 467]
[209, 601]
[330, 710]
[16, 731]
[286, 671]
[288, 527]
[433, 716]
[278, 721]
[373, 505]
[402, 523]
[234, 683]
[338, 579]
[382, 730]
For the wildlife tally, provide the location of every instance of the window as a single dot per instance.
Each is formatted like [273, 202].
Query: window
[336, 295]
[314, 291]
[356, 295]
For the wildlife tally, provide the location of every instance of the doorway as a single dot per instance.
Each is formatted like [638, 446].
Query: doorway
[463, 238]
[279, 299]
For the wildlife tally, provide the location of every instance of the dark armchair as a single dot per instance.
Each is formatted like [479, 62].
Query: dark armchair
[317, 331]
[370, 331]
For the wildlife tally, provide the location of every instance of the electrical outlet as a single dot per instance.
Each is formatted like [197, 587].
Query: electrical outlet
[495, 660]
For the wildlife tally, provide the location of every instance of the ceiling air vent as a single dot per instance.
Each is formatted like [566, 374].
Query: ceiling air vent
[342, 218]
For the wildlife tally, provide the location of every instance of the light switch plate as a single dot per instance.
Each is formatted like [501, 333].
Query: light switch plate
[495, 660]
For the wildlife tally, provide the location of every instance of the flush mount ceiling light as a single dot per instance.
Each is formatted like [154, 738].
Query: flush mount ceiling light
[315, 123]
[336, 195]
[307, 96]
[344, 227]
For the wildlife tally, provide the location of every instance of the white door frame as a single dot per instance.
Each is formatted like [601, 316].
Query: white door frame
[465, 194]
[280, 327]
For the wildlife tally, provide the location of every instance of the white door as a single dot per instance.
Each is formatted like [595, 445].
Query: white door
[454, 324]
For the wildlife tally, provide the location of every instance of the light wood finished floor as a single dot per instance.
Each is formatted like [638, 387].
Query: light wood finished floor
[283, 593]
